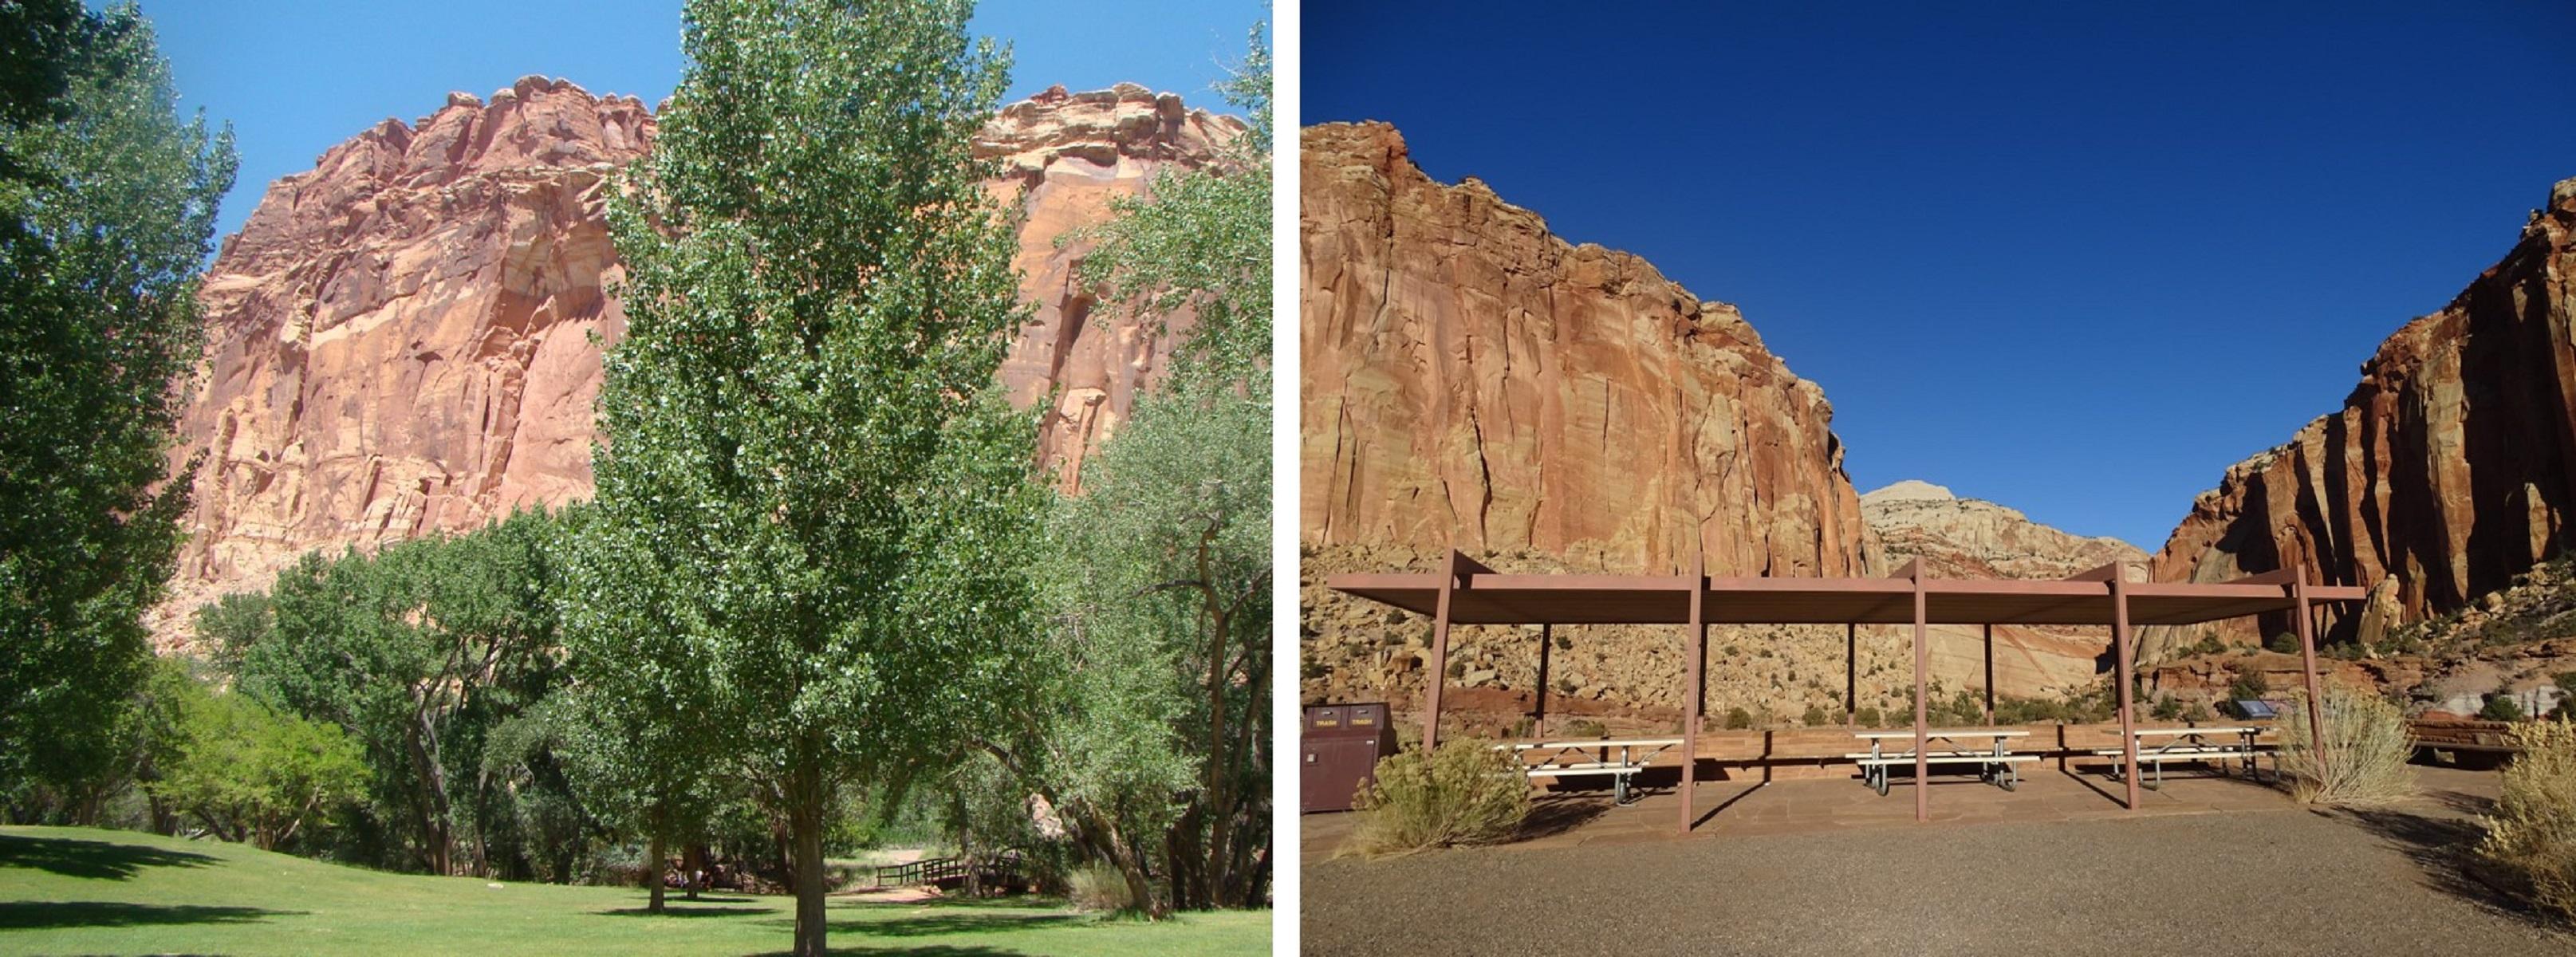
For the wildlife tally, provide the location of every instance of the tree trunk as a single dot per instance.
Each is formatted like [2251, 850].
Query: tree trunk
[805, 818]
[693, 865]
[653, 870]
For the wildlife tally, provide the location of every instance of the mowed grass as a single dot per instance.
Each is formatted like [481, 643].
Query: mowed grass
[86, 891]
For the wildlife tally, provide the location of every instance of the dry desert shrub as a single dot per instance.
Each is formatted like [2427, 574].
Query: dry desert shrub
[1465, 792]
[2532, 833]
[1099, 887]
[2364, 752]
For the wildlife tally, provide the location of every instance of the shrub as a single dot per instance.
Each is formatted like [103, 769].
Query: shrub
[1462, 793]
[2364, 750]
[1738, 719]
[2249, 686]
[1099, 887]
[2501, 707]
[1814, 718]
[1867, 717]
[2283, 642]
[2167, 709]
[2532, 834]
[1586, 728]
[2209, 645]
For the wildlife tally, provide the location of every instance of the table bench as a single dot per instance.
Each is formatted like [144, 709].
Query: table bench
[1559, 759]
[2195, 745]
[1995, 766]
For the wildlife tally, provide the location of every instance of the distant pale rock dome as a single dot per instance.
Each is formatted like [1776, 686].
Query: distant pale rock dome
[1910, 490]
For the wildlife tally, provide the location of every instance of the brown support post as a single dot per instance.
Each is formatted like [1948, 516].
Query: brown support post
[2308, 671]
[1922, 700]
[1545, 639]
[2120, 670]
[1439, 652]
[1990, 675]
[1691, 694]
[1851, 672]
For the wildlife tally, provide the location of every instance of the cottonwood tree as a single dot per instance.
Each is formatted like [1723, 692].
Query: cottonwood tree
[823, 498]
[1151, 737]
[107, 203]
[250, 773]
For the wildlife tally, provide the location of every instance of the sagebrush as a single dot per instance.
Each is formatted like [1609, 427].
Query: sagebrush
[2532, 833]
[1099, 887]
[1462, 793]
[2362, 759]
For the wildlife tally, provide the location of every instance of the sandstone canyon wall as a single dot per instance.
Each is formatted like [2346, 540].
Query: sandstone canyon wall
[406, 338]
[1471, 378]
[2450, 468]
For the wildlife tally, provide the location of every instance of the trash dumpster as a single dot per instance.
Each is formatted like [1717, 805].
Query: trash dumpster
[1338, 753]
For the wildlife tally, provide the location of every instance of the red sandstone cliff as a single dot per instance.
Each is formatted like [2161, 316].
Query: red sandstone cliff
[2450, 468]
[402, 339]
[1470, 377]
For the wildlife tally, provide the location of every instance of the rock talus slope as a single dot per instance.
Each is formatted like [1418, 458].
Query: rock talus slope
[2450, 468]
[406, 338]
[1973, 538]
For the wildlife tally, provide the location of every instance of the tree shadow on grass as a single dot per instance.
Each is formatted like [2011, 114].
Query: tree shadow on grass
[912, 950]
[74, 857]
[941, 925]
[688, 910]
[40, 915]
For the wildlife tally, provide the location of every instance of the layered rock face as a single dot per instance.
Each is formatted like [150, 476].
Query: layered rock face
[1972, 538]
[1470, 378]
[406, 339]
[2450, 468]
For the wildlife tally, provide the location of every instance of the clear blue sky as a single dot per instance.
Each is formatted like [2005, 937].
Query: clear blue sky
[295, 77]
[2076, 258]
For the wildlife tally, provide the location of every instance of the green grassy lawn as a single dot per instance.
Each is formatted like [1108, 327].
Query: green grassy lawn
[78, 890]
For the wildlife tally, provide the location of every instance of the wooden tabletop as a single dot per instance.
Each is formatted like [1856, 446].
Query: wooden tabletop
[2226, 729]
[1623, 743]
[1938, 733]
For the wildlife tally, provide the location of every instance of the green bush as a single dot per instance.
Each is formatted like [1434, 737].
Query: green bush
[1814, 718]
[2209, 645]
[1738, 719]
[2532, 833]
[1867, 717]
[1585, 728]
[1462, 793]
[2283, 642]
[2249, 686]
[2501, 707]
[2364, 750]
[2166, 709]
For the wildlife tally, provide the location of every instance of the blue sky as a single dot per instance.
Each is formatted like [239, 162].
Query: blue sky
[2076, 258]
[295, 77]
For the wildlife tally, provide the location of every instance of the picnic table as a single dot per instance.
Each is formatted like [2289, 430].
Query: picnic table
[1995, 764]
[2211, 745]
[1620, 759]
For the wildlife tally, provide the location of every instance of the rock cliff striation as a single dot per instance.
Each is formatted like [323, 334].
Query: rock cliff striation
[2450, 468]
[406, 338]
[1470, 378]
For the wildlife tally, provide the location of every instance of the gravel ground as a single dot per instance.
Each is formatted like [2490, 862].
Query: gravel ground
[2270, 883]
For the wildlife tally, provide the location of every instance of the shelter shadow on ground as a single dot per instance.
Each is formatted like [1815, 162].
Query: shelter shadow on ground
[72, 857]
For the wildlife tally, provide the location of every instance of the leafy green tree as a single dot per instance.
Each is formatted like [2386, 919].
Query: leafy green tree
[821, 499]
[1150, 737]
[107, 204]
[250, 773]
[422, 652]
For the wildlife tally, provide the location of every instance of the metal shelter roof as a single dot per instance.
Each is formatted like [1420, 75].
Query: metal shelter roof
[1489, 598]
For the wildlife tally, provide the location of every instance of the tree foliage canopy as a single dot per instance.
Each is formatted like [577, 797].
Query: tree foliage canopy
[815, 509]
[107, 205]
